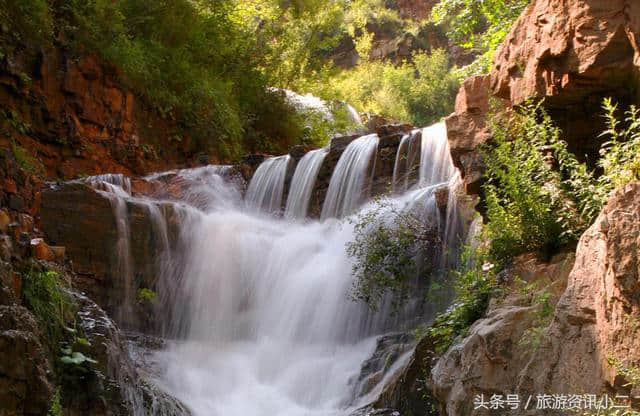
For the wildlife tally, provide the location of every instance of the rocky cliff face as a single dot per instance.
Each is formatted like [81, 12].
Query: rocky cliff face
[570, 53]
[594, 324]
[75, 117]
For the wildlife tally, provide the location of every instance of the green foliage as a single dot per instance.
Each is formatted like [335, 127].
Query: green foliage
[45, 296]
[75, 358]
[532, 204]
[27, 20]
[420, 91]
[534, 336]
[146, 295]
[319, 130]
[539, 196]
[479, 25]
[474, 284]
[620, 160]
[390, 250]
[164, 49]
[56, 407]
[630, 373]
[25, 160]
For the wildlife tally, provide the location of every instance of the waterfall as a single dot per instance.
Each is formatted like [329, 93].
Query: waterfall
[116, 188]
[267, 184]
[436, 167]
[435, 159]
[303, 182]
[349, 185]
[406, 161]
[258, 308]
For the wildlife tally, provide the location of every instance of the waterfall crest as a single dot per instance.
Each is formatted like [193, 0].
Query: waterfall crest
[350, 183]
[258, 307]
[267, 185]
[303, 182]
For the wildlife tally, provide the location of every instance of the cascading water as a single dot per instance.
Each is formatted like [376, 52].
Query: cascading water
[406, 161]
[267, 185]
[435, 159]
[303, 182]
[349, 185]
[259, 306]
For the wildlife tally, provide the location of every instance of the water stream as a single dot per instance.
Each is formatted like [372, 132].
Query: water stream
[259, 307]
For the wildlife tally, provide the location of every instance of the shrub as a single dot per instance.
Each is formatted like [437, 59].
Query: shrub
[27, 20]
[620, 159]
[474, 284]
[533, 204]
[391, 250]
[478, 25]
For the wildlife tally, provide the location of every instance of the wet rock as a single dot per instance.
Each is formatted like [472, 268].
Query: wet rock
[25, 372]
[391, 129]
[385, 162]
[442, 199]
[115, 386]
[385, 359]
[83, 221]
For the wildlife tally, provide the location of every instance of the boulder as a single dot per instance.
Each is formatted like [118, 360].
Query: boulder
[467, 131]
[491, 357]
[41, 250]
[25, 371]
[596, 320]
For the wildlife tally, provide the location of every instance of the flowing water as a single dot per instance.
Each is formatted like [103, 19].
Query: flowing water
[267, 185]
[259, 306]
[349, 185]
[406, 160]
[303, 182]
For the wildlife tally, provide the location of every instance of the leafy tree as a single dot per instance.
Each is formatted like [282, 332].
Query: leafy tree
[420, 91]
[479, 25]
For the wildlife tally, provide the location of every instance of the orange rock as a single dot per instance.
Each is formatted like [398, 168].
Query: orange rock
[16, 284]
[113, 99]
[10, 186]
[59, 252]
[5, 220]
[571, 48]
[41, 250]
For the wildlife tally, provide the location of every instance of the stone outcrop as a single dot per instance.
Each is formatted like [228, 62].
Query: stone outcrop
[568, 51]
[572, 54]
[25, 370]
[467, 130]
[491, 357]
[75, 117]
[492, 354]
[84, 221]
[596, 320]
